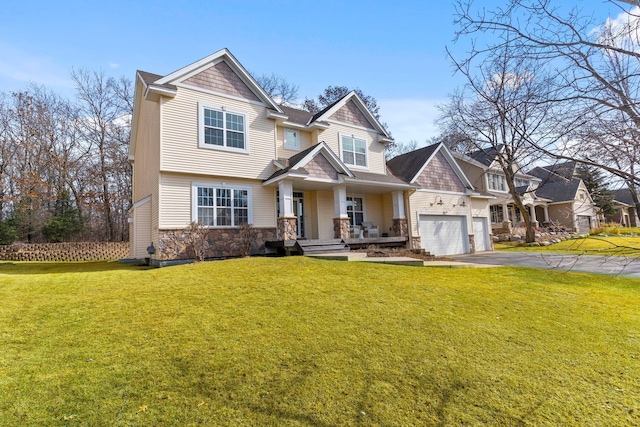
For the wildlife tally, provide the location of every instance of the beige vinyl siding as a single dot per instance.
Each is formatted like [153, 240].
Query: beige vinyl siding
[305, 142]
[325, 213]
[475, 175]
[146, 163]
[373, 207]
[420, 203]
[562, 214]
[142, 230]
[387, 214]
[375, 149]
[311, 212]
[175, 194]
[480, 207]
[180, 150]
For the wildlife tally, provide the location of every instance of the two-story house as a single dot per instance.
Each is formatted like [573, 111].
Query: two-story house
[570, 205]
[209, 145]
[447, 214]
[483, 169]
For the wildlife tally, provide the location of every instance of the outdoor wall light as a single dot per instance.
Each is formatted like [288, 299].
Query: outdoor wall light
[151, 249]
[460, 202]
[438, 201]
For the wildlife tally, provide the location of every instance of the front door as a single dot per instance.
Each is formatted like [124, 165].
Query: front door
[298, 210]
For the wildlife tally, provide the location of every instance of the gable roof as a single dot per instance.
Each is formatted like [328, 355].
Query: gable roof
[409, 166]
[559, 191]
[406, 166]
[222, 55]
[556, 172]
[301, 117]
[486, 156]
[623, 195]
[351, 96]
[297, 162]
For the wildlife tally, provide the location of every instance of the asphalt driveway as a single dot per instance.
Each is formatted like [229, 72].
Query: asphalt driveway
[623, 266]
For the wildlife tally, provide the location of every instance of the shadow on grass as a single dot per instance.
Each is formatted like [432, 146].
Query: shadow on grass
[32, 267]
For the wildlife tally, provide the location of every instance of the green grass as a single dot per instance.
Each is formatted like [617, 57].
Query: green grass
[592, 245]
[302, 342]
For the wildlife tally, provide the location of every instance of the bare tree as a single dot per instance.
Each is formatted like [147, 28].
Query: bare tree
[105, 118]
[596, 61]
[397, 148]
[502, 109]
[278, 88]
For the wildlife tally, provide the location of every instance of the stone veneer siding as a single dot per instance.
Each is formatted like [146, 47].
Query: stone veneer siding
[218, 243]
[341, 228]
[416, 242]
[400, 227]
[472, 244]
[288, 228]
[67, 251]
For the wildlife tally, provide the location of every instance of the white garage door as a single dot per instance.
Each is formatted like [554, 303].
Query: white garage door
[481, 234]
[444, 235]
[584, 224]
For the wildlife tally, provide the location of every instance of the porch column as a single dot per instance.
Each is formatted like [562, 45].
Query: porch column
[506, 223]
[400, 226]
[534, 220]
[287, 227]
[546, 213]
[341, 219]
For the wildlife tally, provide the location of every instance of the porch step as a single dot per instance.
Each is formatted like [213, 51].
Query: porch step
[322, 246]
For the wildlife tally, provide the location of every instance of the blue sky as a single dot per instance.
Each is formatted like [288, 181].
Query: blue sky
[392, 50]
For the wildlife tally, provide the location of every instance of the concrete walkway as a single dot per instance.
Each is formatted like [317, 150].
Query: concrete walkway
[612, 265]
[397, 260]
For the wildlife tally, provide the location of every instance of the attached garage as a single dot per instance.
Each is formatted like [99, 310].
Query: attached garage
[481, 234]
[443, 234]
[584, 224]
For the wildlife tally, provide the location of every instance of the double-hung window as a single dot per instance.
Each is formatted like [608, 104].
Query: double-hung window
[222, 129]
[496, 182]
[354, 151]
[221, 207]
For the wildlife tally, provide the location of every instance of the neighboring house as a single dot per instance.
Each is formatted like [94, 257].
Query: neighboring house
[486, 175]
[446, 214]
[209, 145]
[626, 214]
[570, 204]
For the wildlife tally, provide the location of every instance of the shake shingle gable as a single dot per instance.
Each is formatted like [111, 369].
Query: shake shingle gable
[407, 165]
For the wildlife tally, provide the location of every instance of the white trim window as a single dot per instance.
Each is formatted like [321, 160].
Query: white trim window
[521, 182]
[222, 129]
[355, 210]
[216, 206]
[497, 214]
[496, 182]
[353, 151]
[292, 139]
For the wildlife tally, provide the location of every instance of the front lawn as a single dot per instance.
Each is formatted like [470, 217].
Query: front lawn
[304, 342]
[592, 245]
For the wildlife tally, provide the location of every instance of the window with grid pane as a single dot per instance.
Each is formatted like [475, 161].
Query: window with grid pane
[354, 151]
[222, 207]
[222, 128]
